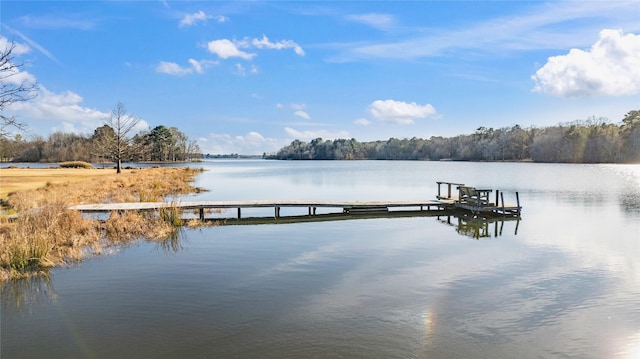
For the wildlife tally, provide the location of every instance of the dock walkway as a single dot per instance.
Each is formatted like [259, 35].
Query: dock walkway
[467, 199]
[201, 206]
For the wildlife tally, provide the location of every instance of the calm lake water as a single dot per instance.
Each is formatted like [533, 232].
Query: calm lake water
[562, 282]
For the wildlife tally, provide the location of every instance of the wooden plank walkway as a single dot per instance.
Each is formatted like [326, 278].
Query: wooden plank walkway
[348, 207]
[468, 199]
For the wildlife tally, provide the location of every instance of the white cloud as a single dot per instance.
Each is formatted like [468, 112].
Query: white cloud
[192, 19]
[362, 122]
[171, 68]
[302, 114]
[611, 67]
[378, 21]
[264, 43]
[196, 65]
[64, 108]
[253, 143]
[398, 112]
[225, 49]
[19, 49]
[63, 112]
[299, 110]
[15, 76]
[221, 18]
[310, 135]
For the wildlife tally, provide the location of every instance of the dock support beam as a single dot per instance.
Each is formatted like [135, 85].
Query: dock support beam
[201, 210]
[239, 213]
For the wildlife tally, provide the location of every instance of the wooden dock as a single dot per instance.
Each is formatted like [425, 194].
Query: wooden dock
[464, 198]
[202, 206]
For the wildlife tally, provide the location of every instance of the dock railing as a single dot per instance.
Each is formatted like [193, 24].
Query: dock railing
[449, 186]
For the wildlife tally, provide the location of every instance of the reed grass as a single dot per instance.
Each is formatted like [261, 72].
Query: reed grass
[76, 164]
[47, 234]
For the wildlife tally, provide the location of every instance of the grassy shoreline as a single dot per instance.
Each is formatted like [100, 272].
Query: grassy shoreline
[47, 234]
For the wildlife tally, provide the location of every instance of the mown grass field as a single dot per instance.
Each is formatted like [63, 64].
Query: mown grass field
[21, 179]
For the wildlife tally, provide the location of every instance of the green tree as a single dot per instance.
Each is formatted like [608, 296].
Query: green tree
[631, 135]
[162, 143]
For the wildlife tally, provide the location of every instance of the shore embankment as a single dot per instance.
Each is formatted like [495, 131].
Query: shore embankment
[38, 231]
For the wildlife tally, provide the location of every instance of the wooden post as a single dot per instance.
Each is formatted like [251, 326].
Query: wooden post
[497, 192]
[439, 183]
[201, 210]
[518, 202]
[502, 199]
[239, 213]
[449, 190]
[277, 212]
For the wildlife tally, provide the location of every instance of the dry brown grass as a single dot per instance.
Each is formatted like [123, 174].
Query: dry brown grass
[47, 234]
[22, 179]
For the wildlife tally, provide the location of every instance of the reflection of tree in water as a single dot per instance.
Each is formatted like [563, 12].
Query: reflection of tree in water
[630, 202]
[478, 227]
[24, 293]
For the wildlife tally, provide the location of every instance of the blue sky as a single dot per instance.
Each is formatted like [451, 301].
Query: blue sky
[251, 76]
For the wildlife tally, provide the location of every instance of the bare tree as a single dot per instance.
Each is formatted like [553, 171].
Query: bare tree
[13, 88]
[119, 144]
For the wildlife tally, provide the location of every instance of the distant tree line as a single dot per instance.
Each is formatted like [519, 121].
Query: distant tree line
[592, 141]
[158, 144]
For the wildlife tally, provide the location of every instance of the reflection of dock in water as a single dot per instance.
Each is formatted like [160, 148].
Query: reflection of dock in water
[468, 200]
[478, 227]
